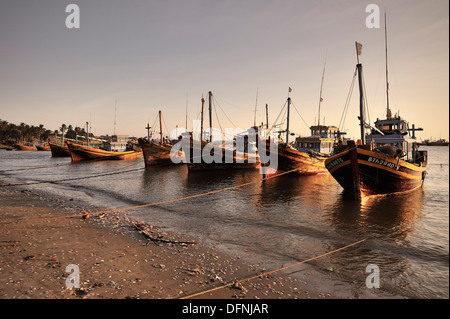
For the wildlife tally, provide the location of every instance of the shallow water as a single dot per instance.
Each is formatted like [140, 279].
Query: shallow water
[276, 222]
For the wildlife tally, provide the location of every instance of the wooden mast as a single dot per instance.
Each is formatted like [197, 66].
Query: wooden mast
[321, 85]
[287, 124]
[256, 107]
[160, 128]
[388, 111]
[361, 93]
[201, 121]
[210, 115]
[267, 116]
[87, 133]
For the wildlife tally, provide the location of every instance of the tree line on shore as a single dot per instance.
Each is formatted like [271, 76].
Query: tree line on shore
[11, 133]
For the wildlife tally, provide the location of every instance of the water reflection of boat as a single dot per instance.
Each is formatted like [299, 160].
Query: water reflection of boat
[84, 153]
[378, 216]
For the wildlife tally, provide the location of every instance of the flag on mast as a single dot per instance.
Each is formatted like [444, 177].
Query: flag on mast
[290, 90]
[358, 48]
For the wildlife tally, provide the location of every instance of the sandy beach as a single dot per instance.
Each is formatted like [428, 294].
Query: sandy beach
[116, 260]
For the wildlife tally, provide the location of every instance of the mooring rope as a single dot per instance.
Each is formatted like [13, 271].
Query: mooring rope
[151, 204]
[269, 272]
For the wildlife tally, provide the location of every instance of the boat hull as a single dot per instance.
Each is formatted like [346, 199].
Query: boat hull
[43, 148]
[59, 150]
[225, 159]
[23, 147]
[83, 153]
[290, 159]
[364, 172]
[155, 154]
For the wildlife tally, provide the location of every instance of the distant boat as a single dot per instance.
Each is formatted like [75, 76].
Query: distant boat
[59, 150]
[440, 142]
[306, 155]
[156, 153]
[25, 147]
[384, 162]
[85, 153]
[43, 147]
[231, 157]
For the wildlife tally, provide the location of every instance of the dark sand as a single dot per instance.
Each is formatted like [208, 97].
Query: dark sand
[115, 259]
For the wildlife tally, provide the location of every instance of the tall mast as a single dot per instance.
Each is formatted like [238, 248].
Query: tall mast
[115, 111]
[388, 111]
[160, 128]
[210, 115]
[186, 111]
[201, 121]
[361, 93]
[87, 133]
[267, 116]
[287, 124]
[321, 85]
[361, 103]
[256, 106]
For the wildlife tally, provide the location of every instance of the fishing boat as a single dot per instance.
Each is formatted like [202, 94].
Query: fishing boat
[25, 147]
[211, 155]
[58, 149]
[306, 155]
[85, 153]
[156, 153]
[43, 147]
[386, 161]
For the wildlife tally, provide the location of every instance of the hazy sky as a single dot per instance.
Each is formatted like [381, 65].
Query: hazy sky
[149, 55]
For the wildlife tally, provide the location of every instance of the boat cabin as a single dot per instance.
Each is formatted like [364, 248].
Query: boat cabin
[394, 132]
[119, 142]
[322, 140]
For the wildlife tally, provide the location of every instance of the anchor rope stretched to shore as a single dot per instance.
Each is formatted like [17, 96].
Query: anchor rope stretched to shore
[65, 179]
[34, 167]
[232, 283]
[151, 204]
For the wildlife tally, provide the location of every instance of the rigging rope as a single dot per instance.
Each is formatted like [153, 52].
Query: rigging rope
[347, 102]
[300, 115]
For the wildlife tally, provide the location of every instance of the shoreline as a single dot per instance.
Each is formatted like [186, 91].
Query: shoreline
[117, 261]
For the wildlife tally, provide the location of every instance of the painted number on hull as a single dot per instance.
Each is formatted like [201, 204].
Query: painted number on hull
[334, 163]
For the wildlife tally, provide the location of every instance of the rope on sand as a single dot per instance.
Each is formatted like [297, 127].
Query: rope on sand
[233, 283]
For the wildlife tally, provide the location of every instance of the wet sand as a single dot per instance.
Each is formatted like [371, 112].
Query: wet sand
[116, 260]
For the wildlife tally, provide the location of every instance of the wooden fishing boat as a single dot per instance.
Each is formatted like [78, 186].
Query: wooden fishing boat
[386, 161]
[157, 153]
[207, 155]
[85, 153]
[43, 147]
[25, 147]
[290, 158]
[59, 150]
[307, 155]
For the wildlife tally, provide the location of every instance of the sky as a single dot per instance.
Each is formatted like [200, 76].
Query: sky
[130, 59]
